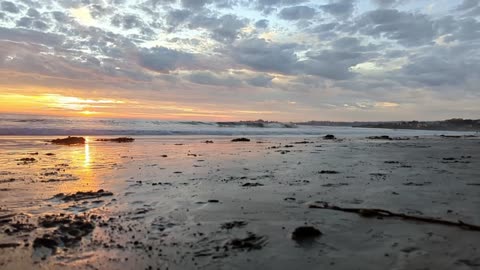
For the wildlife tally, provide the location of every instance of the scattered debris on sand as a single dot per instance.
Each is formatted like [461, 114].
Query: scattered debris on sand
[118, 140]
[391, 162]
[473, 184]
[251, 242]
[9, 180]
[381, 213]
[233, 224]
[69, 231]
[241, 140]
[16, 223]
[252, 185]
[302, 142]
[328, 172]
[329, 137]
[382, 137]
[79, 196]
[9, 245]
[450, 136]
[26, 161]
[244, 203]
[378, 176]
[305, 233]
[69, 141]
[417, 184]
[335, 184]
[388, 138]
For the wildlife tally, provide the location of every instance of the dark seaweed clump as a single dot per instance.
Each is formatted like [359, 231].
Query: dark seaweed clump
[118, 140]
[79, 196]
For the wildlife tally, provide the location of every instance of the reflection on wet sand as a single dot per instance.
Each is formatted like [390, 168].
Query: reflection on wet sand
[81, 161]
[87, 153]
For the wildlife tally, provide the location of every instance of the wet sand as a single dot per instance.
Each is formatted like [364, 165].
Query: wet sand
[181, 203]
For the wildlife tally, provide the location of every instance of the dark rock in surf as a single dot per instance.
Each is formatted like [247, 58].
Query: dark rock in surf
[383, 137]
[329, 137]
[118, 140]
[241, 140]
[69, 141]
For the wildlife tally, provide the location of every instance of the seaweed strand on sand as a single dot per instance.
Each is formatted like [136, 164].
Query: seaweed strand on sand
[382, 213]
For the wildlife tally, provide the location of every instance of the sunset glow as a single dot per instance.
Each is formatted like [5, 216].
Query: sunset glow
[335, 60]
[54, 104]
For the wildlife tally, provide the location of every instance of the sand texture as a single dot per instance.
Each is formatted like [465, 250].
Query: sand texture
[214, 203]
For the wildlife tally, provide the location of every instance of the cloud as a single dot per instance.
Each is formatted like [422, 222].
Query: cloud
[223, 29]
[386, 3]
[31, 36]
[297, 13]
[33, 13]
[209, 78]
[261, 81]
[261, 23]
[163, 60]
[9, 7]
[261, 55]
[176, 17]
[333, 64]
[339, 8]
[446, 70]
[127, 21]
[408, 29]
[268, 6]
[468, 4]
[194, 4]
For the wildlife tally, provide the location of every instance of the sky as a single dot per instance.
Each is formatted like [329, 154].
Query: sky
[284, 60]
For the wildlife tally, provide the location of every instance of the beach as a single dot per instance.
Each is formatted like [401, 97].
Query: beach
[180, 202]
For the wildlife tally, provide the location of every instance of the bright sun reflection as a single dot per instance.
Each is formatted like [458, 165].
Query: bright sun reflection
[86, 163]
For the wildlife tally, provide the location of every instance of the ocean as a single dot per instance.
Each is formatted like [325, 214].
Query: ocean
[20, 125]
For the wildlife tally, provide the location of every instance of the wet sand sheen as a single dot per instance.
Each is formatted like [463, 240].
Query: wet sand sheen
[182, 203]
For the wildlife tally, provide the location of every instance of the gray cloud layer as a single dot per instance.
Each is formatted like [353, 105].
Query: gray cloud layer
[381, 53]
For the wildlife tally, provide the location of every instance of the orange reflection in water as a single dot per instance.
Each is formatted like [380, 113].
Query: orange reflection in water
[87, 177]
[86, 163]
[82, 166]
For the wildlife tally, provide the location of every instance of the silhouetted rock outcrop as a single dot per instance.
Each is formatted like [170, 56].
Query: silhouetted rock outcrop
[69, 141]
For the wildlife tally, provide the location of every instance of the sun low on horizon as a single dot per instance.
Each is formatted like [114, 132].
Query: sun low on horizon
[284, 60]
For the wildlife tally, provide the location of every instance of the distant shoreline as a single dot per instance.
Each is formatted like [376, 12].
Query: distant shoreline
[407, 128]
[455, 124]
